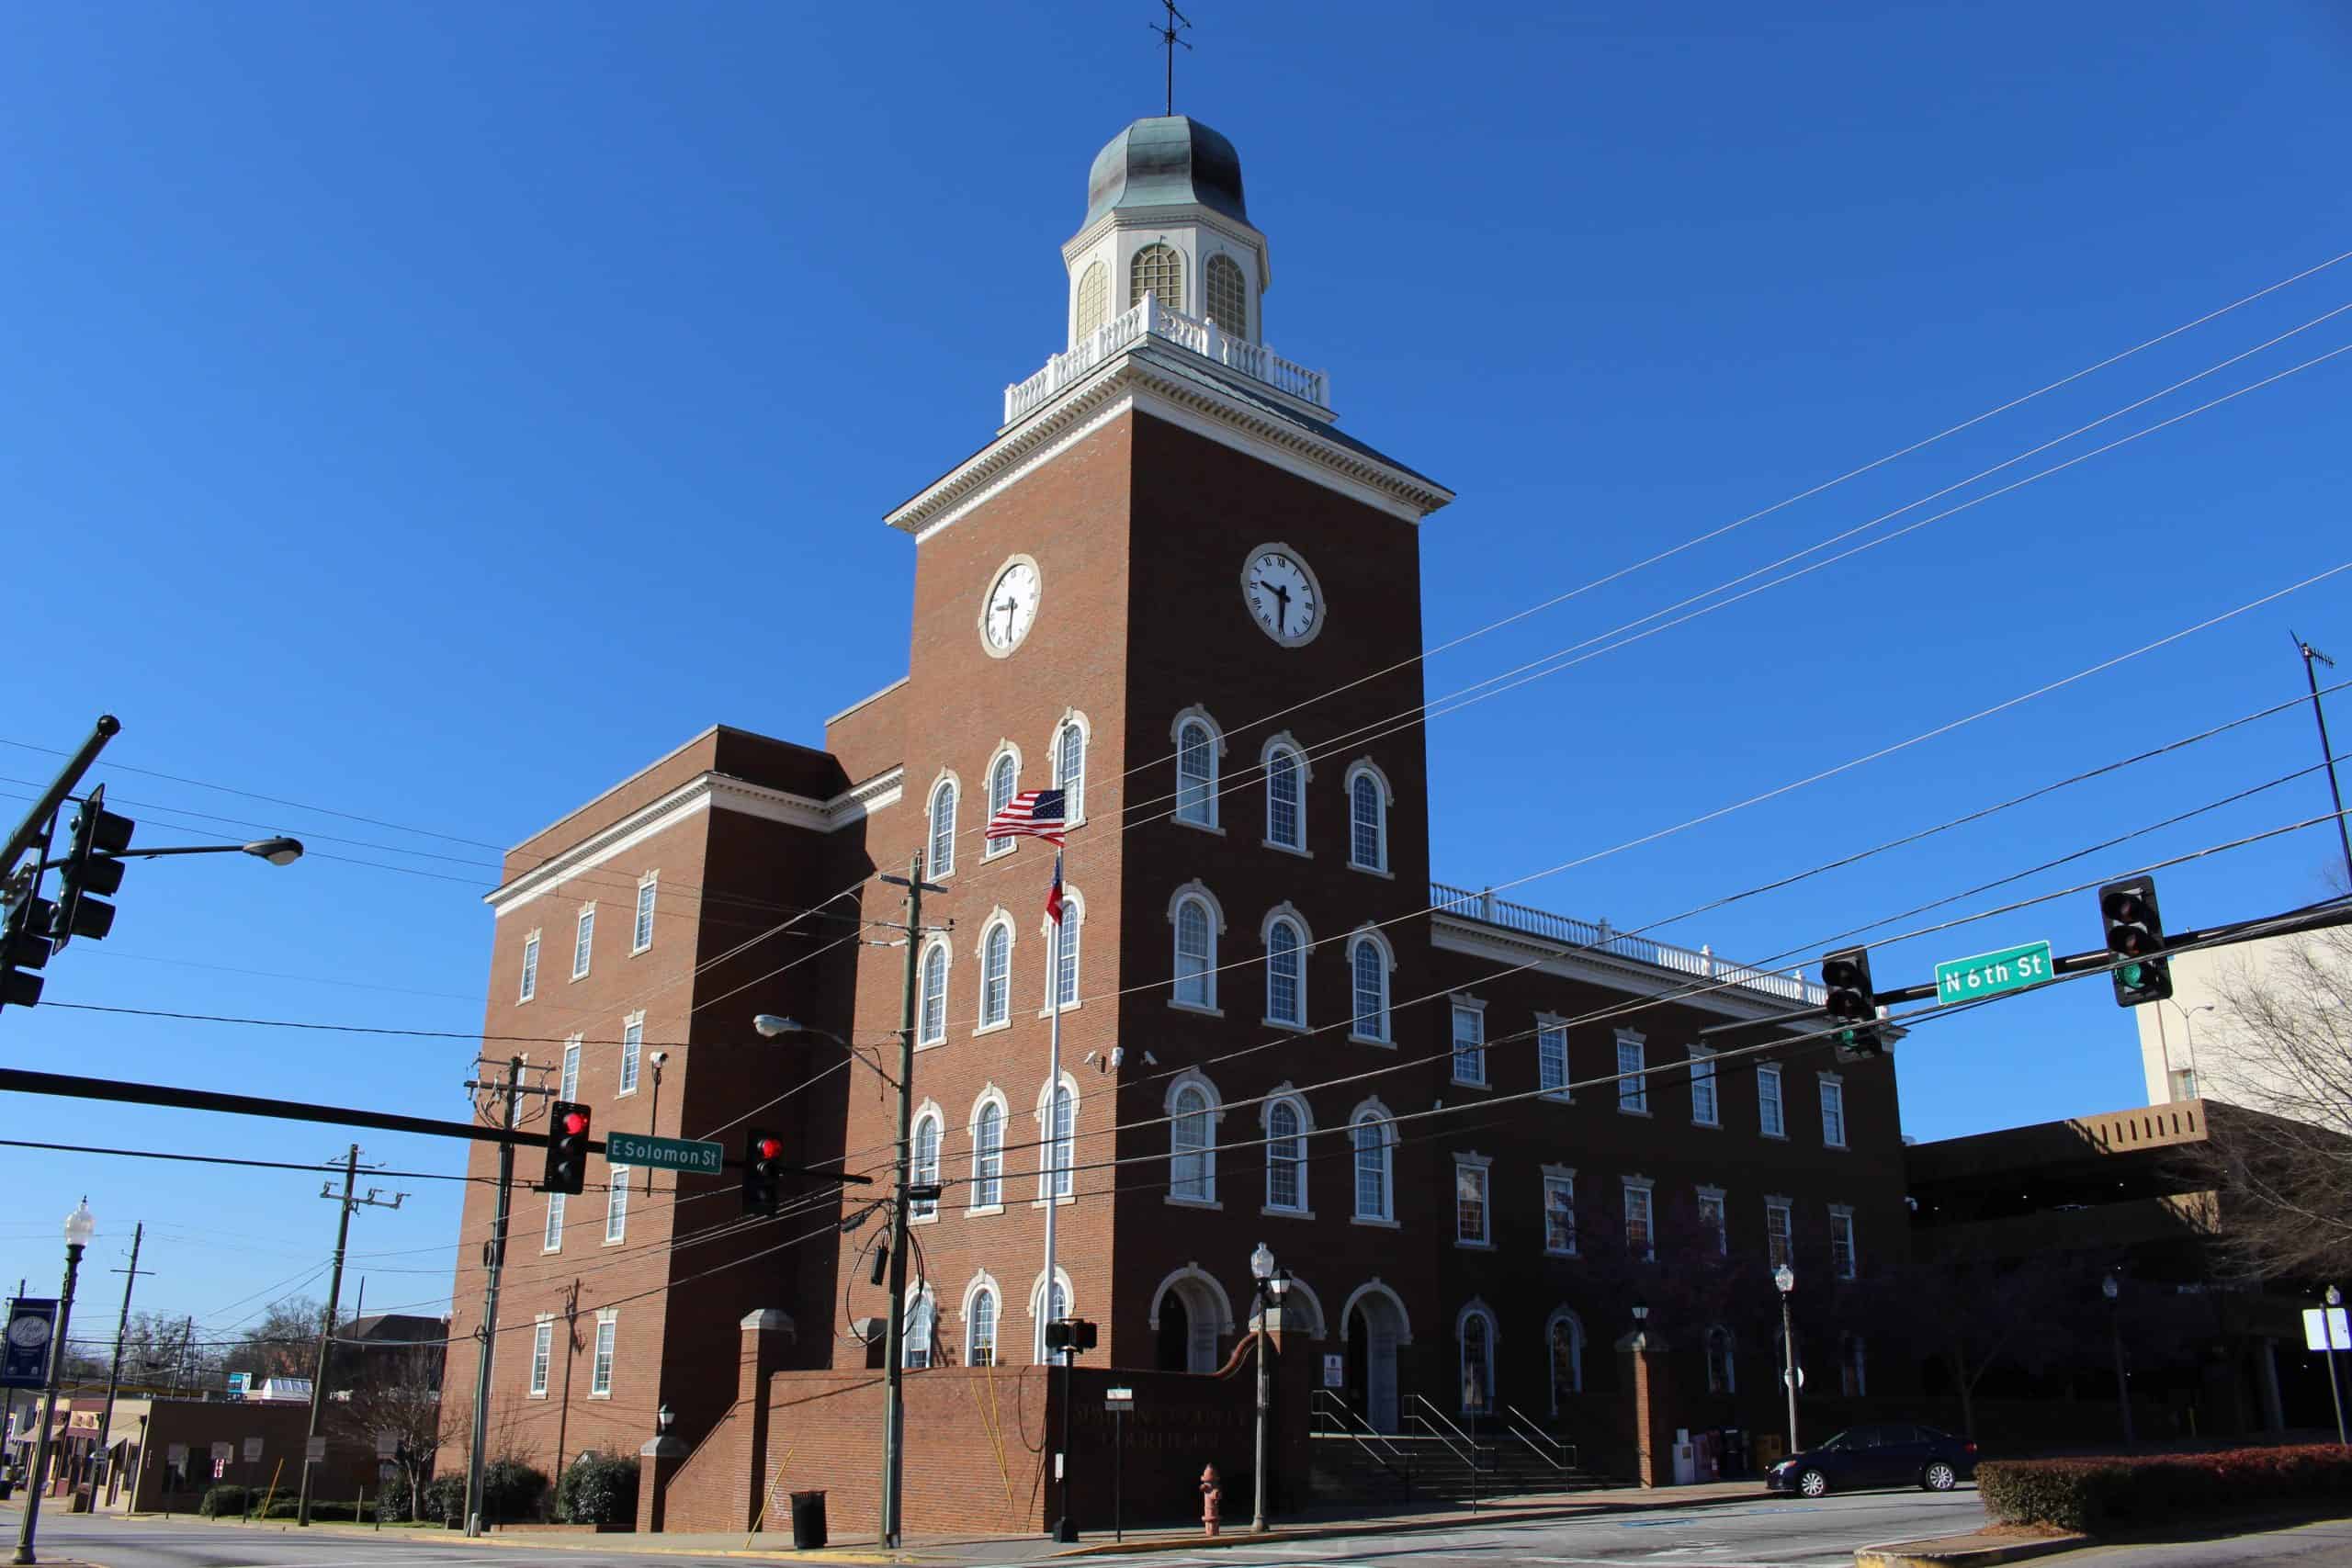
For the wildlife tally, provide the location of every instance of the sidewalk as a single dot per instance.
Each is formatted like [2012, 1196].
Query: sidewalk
[956, 1548]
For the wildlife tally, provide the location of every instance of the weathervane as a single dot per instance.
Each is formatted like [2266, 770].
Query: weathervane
[1177, 22]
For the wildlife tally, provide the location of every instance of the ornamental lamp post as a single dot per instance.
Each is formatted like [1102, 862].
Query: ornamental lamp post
[79, 1226]
[1784, 1278]
[1271, 1285]
[2112, 1290]
[2327, 1337]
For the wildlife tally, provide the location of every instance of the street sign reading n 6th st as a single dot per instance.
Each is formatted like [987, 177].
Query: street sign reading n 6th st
[691, 1154]
[1988, 974]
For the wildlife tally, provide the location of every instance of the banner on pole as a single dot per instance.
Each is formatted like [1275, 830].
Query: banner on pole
[26, 1362]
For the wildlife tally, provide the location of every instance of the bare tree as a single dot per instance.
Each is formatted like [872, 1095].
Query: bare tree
[401, 1404]
[1973, 1313]
[285, 1343]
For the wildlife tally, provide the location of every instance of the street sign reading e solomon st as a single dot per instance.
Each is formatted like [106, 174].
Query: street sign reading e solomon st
[1987, 973]
[665, 1154]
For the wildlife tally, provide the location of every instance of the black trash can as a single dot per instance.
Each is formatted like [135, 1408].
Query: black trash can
[807, 1520]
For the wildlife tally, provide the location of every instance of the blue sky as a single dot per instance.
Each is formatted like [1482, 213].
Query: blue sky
[431, 413]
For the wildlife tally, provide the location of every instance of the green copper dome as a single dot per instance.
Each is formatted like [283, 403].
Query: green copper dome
[1166, 162]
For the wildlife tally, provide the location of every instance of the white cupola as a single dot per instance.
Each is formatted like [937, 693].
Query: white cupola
[1164, 214]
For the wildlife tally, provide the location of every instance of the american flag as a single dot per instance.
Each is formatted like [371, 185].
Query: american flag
[1054, 893]
[1032, 814]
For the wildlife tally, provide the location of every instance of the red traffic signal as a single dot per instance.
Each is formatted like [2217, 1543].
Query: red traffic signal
[567, 1170]
[763, 1172]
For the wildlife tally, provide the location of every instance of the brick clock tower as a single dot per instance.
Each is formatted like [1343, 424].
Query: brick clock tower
[1171, 585]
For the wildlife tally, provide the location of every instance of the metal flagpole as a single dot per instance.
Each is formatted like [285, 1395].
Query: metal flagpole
[1053, 1174]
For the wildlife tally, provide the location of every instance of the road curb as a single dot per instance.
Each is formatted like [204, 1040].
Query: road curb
[1929, 1554]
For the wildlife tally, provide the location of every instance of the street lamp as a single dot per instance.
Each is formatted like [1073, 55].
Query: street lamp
[2189, 1032]
[1784, 1280]
[79, 1224]
[2112, 1290]
[2328, 1320]
[894, 1371]
[1271, 1285]
[276, 851]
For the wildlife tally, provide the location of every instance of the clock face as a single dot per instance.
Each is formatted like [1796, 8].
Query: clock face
[1011, 606]
[1282, 594]
[28, 1332]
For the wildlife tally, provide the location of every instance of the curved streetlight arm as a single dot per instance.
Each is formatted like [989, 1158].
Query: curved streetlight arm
[772, 1027]
[276, 851]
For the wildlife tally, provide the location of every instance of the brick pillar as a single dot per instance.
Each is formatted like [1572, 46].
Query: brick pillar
[1650, 1418]
[768, 1336]
[657, 1462]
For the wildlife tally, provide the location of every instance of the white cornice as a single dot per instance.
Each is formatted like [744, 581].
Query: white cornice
[1133, 381]
[1594, 967]
[705, 792]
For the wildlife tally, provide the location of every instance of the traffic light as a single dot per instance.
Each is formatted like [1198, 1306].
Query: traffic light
[23, 946]
[2135, 935]
[763, 1172]
[567, 1148]
[1072, 1334]
[88, 877]
[1852, 1000]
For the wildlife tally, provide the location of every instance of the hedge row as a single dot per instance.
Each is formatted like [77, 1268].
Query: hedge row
[2100, 1494]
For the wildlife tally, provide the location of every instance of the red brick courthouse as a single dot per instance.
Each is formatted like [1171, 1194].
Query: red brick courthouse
[1172, 586]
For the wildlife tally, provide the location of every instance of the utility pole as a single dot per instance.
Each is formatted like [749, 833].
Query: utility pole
[511, 1089]
[114, 1372]
[894, 1374]
[334, 1303]
[2327, 753]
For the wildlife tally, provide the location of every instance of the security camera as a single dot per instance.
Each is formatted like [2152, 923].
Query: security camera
[660, 1057]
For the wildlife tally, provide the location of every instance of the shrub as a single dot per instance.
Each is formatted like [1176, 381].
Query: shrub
[511, 1490]
[445, 1498]
[391, 1506]
[2096, 1494]
[597, 1489]
[223, 1503]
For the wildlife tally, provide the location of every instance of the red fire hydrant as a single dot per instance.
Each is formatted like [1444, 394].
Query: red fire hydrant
[1212, 1496]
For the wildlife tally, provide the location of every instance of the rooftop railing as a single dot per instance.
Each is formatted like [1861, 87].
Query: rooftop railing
[1151, 320]
[1787, 984]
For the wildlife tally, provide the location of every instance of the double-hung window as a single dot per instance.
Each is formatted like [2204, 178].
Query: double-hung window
[641, 935]
[600, 1375]
[1633, 1083]
[1767, 1103]
[1552, 1057]
[1833, 1112]
[1004, 781]
[632, 1049]
[1285, 975]
[1841, 1241]
[530, 968]
[1286, 819]
[987, 1155]
[553, 1239]
[1710, 1217]
[583, 940]
[1196, 955]
[617, 1204]
[1196, 774]
[931, 1022]
[1371, 1136]
[1471, 1228]
[1285, 1157]
[926, 1165]
[1560, 1213]
[996, 974]
[1704, 1112]
[1641, 1238]
[1469, 1043]
[1779, 1245]
[1061, 1125]
[542, 1352]
[570, 1080]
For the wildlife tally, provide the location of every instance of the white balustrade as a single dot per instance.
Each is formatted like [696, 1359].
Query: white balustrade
[1151, 320]
[1699, 962]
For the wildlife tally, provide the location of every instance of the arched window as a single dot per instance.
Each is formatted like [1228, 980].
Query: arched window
[1228, 296]
[1475, 1333]
[1375, 1151]
[1093, 299]
[1159, 271]
[1285, 819]
[1285, 1157]
[980, 1318]
[921, 1319]
[1195, 953]
[1367, 818]
[1062, 987]
[1285, 973]
[926, 1160]
[933, 1022]
[987, 1155]
[1197, 748]
[1722, 1373]
[1564, 1340]
[1850, 1367]
[1192, 1146]
[1004, 782]
[943, 829]
[996, 974]
[1368, 969]
[1061, 1124]
[1070, 770]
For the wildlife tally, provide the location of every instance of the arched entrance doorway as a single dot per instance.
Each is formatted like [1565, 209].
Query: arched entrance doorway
[1188, 1312]
[1175, 1334]
[1374, 1324]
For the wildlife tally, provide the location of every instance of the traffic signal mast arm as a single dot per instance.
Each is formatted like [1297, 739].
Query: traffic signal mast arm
[24, 1081]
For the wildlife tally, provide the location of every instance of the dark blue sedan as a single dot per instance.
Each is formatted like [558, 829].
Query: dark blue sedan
[1894, 1453]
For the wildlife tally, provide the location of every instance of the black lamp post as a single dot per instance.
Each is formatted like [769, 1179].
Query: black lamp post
[79, 1224]
[2112, 1290]
[1271, 1285]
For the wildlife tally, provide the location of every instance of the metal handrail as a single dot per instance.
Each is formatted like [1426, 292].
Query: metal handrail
[1325, 1402]
[1437, 1418]
[1523, 1428]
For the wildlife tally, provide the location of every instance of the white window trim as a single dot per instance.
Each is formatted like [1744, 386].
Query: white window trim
[1388, 988]
[1566, 1173]
[1779, 1096]
[649, 883]
[1193, 1078]
[551, 1227]
[947, 991]
[542, 1328]
[1788, 1209]
[1216, 824]
[616, 1190]
[1196, 889]
[634, 1020]
[527, 984]
[567, 1072]
[1471, 1159]
[946, 779]
[1564, 1094]
[1641, 1184]
[606, 1317]
[1286, 910]
[1714, 1083]
[927, 1111]
[997, 849]
[1723, 1209]
[1387, 1119]
[990, 1094]
[1366, 766]
[1071, 719]
[1845, 1211]
[1073, 935]
[1453, 1057]
[584, 954]
[1638, 1085]
[1563, 1315]
[1477, 1308]
[1844, 1133]
[1286, 1093]
[983, 1281]
[1304, 775]
[998, 917]
[1044, 1115]
[1039, 1301]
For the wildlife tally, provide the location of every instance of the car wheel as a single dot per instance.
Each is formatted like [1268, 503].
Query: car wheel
[1812, 1483]
[1938, 1477]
